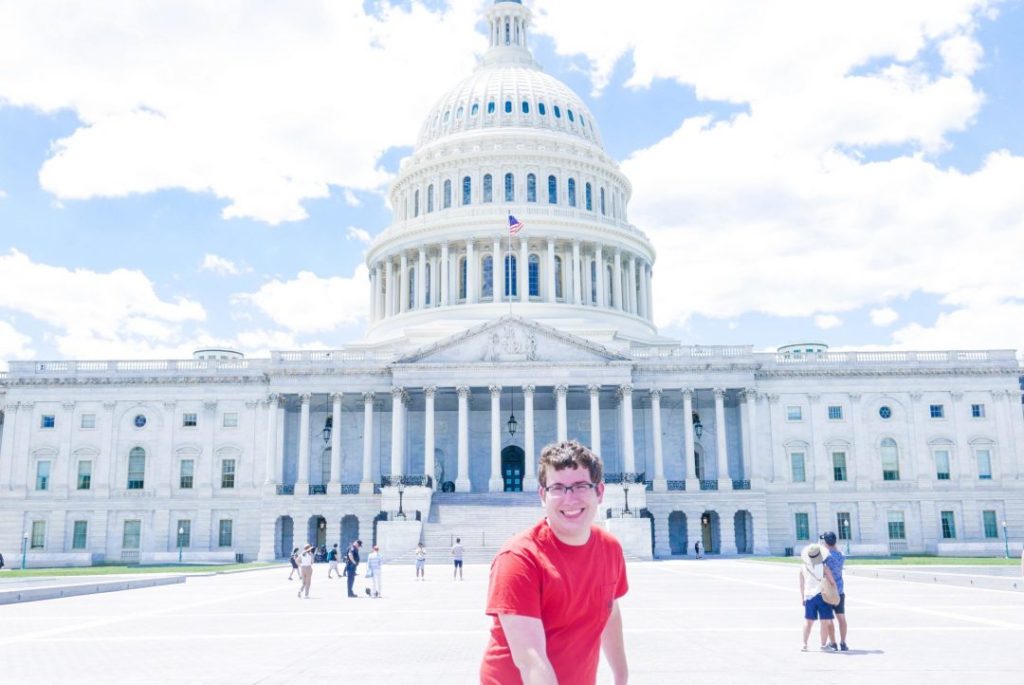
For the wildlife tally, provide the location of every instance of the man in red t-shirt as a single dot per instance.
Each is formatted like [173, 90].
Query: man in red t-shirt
[554, 587]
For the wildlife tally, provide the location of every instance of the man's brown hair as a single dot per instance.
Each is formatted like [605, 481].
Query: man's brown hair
[567, 455]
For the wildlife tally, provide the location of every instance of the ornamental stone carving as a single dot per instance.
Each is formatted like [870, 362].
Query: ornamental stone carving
[463, 392]
[495, 390]
[511, 343]
[368, 397]
[429, 390]
[529, 389]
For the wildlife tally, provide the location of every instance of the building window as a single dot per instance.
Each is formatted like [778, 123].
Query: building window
[558, 112]
[427, 280]
[140, 421]
[47, 421]
[231, 419]
[802, 525]
[890, 460]
[511, 276]
[794, 413]
[88, 421]
[977, 411]
[593, 281]
[43, 475]
[897, 527]
[38, 540]
[462, 278]
[416, 203]
[131, 535]
[839, 465]
[541, 109]
[531, 188]
[798, 467]
[843, 527]
[602, 202]
[225, 533]
[533, 275]
[487, 284]
[948, 525]
[835, 412]
[184, 532]
[430, 195]
[510, 188]
[558, 278]
[588, 196]
[189, 420]
[475, 109]
[488, 188]
[136, 468]
[572, 192]
[988, 519]
[526, 107]
[936, 411]
[186, 474]
[84, 475]
[80, 535]
[984, 457]
[508, 105]
[490, 107]
[412, 287]
[447, 194]
[467, 190]
[942, 464]
[552, 190]
[227, 473]
[885, 412]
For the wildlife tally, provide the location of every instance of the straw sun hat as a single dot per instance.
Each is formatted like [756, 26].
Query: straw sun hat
[812, 555]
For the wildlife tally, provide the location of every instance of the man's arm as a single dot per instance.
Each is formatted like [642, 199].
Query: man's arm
[614, 646]
[528, 645]
[802, 587]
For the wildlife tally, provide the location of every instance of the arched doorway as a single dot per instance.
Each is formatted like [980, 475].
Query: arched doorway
[513, 463]
[349, 530]
[709, 532]
[744, 524]
[284, 537]
[677, 542]
[316, 531]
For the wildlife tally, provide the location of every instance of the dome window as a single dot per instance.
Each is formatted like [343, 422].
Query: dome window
[488, 188]
[569, 112]
[487, 284]
[531, 188]
[416, 203]
[558, 112]
[582, 122]
[542, 109]
[552, 190]
[508, 106]
[430, 198]
[446, 116]
[602, 202]
[459, 113]
[474, 109]
[447, 193]
[572, 192]
[589, 196]
[526, 107]
[510, 188]
[490, 107]
[511, 276]
[533, 275]
[467, 190]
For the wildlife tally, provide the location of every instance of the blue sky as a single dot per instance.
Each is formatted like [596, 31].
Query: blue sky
[208, 174]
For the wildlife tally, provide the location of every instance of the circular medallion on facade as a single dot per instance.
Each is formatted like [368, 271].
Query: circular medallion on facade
[885, 412]
[140, 421]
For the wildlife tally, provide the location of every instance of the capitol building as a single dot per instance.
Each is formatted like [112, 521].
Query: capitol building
[484, 344]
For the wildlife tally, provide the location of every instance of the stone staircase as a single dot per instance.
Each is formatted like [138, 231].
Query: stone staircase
[483, 520]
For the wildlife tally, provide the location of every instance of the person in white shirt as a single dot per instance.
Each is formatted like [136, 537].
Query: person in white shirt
[815, 607]
[373, 562]
[421, 560]
[306, 570]
[457, 551]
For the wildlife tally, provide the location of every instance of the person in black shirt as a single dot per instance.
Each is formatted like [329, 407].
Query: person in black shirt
[351, 562]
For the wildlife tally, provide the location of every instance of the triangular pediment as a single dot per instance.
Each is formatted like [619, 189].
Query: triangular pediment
[512, 339]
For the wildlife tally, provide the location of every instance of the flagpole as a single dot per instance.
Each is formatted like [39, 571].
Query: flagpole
[508, 265]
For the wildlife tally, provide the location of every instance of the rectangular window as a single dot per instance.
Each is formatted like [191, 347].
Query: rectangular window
[794, 413]
[43, 475]
[984, 458]
[231, 419]
[798, 467]
[948, 526]
[977, 411]
[184, 532]
[132, 535]
[897, 527]
[227, 473]
[189, 420]
[839, 465]
[835, 412]
[38, 540]
[187, 469]
[78, 538]
[225, 535]
[84, 475]
[803, 526]
[942, 464]
[843, 527]
[136, 471]
[47, 421]
[988, 519]
[936, 411]
[88, 421]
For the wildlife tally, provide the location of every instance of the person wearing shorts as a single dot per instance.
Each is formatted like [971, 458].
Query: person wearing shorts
[421, 560]
[815, 607]
[834, 561]
[457, 550]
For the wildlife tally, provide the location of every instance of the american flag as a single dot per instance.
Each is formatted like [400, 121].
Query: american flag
[514, 225]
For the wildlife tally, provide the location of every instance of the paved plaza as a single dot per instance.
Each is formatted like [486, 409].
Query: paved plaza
[710, 621]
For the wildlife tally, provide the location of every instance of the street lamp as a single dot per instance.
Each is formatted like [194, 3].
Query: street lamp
[24, 550]
[698, 427]
[1006, 540]
[326, 432]
[181, 536]
[401, 492]
[512, 423]
[625, 493]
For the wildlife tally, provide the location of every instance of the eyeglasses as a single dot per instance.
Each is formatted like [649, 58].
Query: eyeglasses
[559, 490]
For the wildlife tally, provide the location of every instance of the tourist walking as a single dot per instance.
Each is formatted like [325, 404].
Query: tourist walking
[332, 561]
[421, 560]
[554, 588]
[834, 561]
[351, 564]
[373, 563]
[294, 560]
[306, 570]
[815, 607]
[696, 550]
[457, 551]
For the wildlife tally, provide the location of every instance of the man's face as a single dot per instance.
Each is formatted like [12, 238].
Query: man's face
[570, 513]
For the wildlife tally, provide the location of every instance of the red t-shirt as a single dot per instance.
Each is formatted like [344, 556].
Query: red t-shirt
[570, 588]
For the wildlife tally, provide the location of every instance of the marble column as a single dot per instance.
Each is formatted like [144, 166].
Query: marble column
[462, 483]
[650, 292]
[617, 280]
[689, 466]
[561, 419]
[366, 484]
[524, 270]
[302, 477]
[429, 467]
[403, 284]
[551, 271]
[599, 271]
[530, 476]
[270, 477]
[334, 485]
[727, 531]
[631, 283]
[279, 449]
[577, 289]
[397, 431]
[495, 483]
[498, 270]
[472, 287]
[421, 280]
[373, 294]
[724, 479]
[445, 276]
[389, 288]
[643, 291]
[660, 484]
[595, 418]
[820, 461]
[628, 453]
[749, 433]
[7, 447]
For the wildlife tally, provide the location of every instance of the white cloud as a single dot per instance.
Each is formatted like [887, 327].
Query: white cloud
[884, 316]
[310, 304]
[2, 194]
[264, 105]
[827, 321]
[13, 344]
[98, 315]
[351, 199]
[982, 325]
[220, 265]
[359, 234]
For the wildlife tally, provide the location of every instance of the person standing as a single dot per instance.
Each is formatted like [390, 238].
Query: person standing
[457, 551]
[421, 560]
[332, 561]
[294, 561]
[815, 607]
[306, 570]
[696, 549]
[834, 568]
[351, 564]
[373, 563]
[554, 588]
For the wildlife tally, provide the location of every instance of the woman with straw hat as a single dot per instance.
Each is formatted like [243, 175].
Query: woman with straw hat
[812, 572]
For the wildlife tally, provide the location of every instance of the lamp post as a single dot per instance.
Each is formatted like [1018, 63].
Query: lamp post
[512, 423]
[625, 493]
[1006, 540]
[698, 427]
[24, 550]
[401, 492]
[181, 536]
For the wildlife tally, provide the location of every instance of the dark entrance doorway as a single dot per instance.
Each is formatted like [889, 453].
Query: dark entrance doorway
[513, 463]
